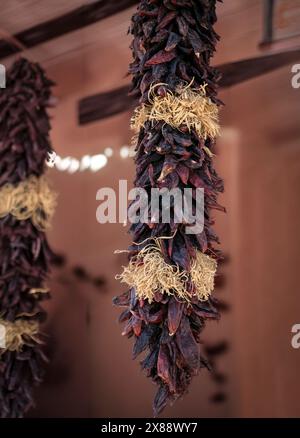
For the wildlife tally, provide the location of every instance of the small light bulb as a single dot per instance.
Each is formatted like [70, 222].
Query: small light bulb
[124, 152]
[63, 164]
[98, 162]
[57, 161]
[108, 152]
[74, 166]
[85, 162]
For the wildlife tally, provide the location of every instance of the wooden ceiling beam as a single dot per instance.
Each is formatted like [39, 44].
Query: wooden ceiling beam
[107, 104]
[69, 22]
[102, 105]
[235, 73]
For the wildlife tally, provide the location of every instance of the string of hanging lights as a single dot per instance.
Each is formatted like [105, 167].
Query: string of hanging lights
[92, 163]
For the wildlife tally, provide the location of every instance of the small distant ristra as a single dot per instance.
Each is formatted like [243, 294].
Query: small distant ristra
[27, 204]
[170, 274]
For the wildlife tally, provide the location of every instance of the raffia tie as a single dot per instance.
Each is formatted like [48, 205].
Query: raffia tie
[148, 273]
[16, 331]
[31, 198]
[189, 107]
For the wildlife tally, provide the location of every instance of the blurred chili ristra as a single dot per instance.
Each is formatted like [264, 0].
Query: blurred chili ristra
[26, 205]
[172, 46]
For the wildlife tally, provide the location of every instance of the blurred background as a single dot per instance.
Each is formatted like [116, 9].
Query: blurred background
[91, 373]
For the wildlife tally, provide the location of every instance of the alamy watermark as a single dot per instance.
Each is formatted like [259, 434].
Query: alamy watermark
[295, 341]
[152, 206]
[2, 336]
[2, 76]
[295, 81]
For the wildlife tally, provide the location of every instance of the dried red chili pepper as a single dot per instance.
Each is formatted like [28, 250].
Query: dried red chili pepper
[175, 52]
[24, 251]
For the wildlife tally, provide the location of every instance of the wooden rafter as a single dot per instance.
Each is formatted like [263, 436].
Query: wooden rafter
[107, 104]
[69, 22]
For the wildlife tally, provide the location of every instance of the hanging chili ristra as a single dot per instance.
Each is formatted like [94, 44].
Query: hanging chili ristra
[171, 273]
[26, 207]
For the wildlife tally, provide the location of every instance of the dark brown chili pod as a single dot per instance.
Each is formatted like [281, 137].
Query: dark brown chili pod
[24, 252]
[177, 53]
